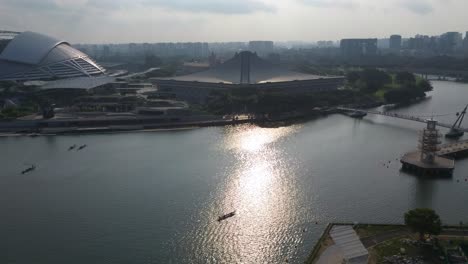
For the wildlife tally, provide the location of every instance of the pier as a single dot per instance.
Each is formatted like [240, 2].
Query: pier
[433, 158]
[428, 161]
[454, 150]
[440, 166]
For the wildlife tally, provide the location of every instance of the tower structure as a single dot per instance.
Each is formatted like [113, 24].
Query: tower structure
[246, 58]
[429, 142]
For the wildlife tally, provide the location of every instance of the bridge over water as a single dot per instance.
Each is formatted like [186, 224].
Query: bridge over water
[399, 116]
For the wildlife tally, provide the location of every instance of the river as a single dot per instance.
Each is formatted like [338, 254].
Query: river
[155, 197]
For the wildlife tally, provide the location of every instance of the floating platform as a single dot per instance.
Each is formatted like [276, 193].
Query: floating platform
[441, 166]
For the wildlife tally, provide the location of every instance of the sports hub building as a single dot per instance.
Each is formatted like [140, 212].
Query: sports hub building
[32, 56]
[245, 70]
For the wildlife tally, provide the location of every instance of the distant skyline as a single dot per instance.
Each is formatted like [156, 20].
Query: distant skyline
[124, 21]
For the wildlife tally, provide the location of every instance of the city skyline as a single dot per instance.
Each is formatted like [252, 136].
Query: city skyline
[124, 21]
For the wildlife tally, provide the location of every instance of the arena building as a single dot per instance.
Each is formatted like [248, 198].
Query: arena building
[31, 56]
[245, 70]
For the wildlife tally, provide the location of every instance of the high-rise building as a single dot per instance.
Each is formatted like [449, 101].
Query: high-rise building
[419, 42]
[352, 48]
[465, 44]
[450, 42]
[395, 42]
[262, 48]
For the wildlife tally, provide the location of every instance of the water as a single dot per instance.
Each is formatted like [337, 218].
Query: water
[155, 197]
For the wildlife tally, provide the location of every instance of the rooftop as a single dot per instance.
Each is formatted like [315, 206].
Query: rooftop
[348, 241]
[245, 68]
[78, 83]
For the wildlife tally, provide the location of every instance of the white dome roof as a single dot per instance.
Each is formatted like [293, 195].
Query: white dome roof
[33, 56]
[29, 48]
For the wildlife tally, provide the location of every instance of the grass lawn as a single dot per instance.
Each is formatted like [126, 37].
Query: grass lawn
[393, 247]
[372, 230]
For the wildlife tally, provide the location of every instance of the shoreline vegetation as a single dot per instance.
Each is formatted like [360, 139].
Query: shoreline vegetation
[364, 88]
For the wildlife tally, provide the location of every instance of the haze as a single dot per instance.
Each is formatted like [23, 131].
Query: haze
[120, 21]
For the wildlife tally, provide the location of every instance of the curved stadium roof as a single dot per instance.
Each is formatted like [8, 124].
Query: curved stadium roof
[33, 56]
[246, 68]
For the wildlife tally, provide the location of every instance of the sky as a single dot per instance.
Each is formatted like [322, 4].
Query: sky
[124, 21]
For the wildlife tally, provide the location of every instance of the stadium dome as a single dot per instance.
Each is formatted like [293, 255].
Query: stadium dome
[33, 56]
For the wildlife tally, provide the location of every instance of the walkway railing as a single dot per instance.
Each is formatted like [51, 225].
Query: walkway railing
[397, 115]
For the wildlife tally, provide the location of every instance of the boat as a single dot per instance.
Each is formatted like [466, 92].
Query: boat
[72, 147]
[226, 216]
[28, 169]
[454, 133]
[358, 114]
[82, 147]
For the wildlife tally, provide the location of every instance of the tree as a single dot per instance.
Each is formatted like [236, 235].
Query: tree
[424, 221]
[425, 85]
[152, 61]
[374, 79]
[405, 77]
[353, 76]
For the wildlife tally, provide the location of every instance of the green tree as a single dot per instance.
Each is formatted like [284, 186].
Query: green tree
[353, 76]
[425, 85]
[374, 79]
[405, 77]
[152, 61]
[423, 221]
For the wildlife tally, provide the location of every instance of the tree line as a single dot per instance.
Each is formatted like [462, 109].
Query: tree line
[400, 87]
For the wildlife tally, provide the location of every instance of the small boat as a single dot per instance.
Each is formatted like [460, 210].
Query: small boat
[28, 169]
[82, 147]
[72, 147]
[358, 114]
[226, 216]
[33, 135]
[454, 133]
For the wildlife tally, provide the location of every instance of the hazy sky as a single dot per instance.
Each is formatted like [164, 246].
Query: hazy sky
[106, 21]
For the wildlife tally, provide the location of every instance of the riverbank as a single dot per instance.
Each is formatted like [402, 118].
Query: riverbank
[113, 124]
[93, 126]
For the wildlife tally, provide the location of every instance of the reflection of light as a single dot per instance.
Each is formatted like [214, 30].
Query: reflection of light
[254, 142]
[255, 181]
[259, 188]
[254, 139]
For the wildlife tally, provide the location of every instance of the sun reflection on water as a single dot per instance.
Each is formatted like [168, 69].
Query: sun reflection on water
[254, 139]
[259, 187]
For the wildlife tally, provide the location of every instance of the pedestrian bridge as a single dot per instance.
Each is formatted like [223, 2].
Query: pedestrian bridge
[400, 116]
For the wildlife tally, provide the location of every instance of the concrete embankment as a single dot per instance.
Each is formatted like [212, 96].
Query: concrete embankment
[84, 126]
